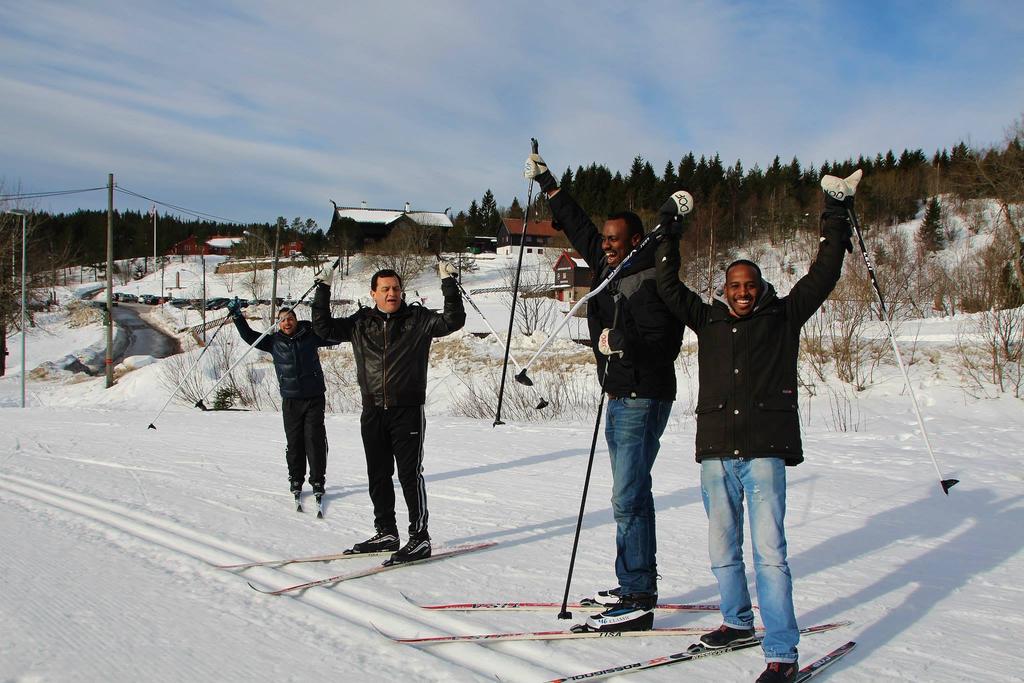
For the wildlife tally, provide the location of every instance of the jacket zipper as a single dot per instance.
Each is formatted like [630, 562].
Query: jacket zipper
[384, 362]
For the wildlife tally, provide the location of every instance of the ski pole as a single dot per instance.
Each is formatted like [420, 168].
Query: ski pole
[680, 204]
[152, 425]
[199, 403]
[465, 295]
[946, 484]
[535, 147]
[565, 613]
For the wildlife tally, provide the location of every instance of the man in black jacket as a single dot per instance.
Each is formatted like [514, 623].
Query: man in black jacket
[391, 345]
[300, 379]
[636, 340]
[748, 429]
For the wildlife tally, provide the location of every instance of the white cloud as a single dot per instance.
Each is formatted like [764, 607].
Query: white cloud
[258, 109]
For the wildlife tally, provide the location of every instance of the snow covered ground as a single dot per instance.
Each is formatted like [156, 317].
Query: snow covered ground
[111, 532]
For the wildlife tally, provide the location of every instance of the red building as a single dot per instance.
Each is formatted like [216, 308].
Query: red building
[572, 277]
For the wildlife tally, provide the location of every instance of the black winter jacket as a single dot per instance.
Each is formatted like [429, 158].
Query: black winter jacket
[747, 400]
[629, 304]
[296, 360]
[391, 350]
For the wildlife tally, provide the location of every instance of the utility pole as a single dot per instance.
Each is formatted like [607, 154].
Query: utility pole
[273, 286]
[109, 321]
[202, 258]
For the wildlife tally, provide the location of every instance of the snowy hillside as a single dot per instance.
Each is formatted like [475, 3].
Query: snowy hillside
[112, 531]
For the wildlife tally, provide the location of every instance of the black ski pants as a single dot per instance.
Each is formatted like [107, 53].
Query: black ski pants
[395, 436]
[307, 438]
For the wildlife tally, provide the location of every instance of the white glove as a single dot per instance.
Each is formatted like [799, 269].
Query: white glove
[841, 188]
[610, 342]
[536, 169]
[326, 276]
[446, 269]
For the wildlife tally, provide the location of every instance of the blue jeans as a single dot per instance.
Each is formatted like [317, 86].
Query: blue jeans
[724, 482]
[633, 430]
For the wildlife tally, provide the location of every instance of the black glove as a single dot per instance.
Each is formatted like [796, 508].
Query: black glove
[673, 211]
[557, 225]
[235, 307]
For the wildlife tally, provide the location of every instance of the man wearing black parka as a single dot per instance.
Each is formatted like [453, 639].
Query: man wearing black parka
[748, 427]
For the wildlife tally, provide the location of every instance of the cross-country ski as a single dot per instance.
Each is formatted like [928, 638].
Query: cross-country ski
[550, 606]
[695, 652]
[442, 554]
[569, 634]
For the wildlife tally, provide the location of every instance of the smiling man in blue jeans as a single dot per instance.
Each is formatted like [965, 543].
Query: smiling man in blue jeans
[636, 340]
[748, 428]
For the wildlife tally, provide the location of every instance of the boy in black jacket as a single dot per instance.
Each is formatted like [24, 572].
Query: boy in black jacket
[301, 381]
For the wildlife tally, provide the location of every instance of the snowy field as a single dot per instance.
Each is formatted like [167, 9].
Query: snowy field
[111, 533]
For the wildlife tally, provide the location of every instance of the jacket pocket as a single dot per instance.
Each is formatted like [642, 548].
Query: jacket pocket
[711, 426]
[777, 425]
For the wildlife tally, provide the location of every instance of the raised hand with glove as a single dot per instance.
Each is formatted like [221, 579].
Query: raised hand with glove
[839, 193]
[611, 342]
[326, 276]
[446, 269]
[234, 308]
[673, 212]
[536, 169]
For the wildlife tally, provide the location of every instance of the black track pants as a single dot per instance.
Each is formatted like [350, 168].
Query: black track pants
[307, 438]
[390, 436]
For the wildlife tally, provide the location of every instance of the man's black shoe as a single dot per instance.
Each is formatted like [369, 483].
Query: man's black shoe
[633, 612]
[727, 635]
[418, 548]
[779, 672]
[384, 541]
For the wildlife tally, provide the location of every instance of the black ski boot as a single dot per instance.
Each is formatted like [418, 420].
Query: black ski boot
[318, 493]
[726, 635]
[779, 672]
[295, 486]
[384, 541]
[418, 548]
[634, 612]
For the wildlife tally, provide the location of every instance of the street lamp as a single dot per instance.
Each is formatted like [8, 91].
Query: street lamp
[273, 286]
[24, 216]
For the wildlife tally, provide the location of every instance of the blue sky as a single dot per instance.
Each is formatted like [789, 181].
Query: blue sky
[250, 110]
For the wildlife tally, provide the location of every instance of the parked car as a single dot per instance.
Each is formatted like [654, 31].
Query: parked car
[216, 303]
[179, 303]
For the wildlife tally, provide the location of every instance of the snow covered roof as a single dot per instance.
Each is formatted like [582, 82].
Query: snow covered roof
[223, 242]
[388, 216]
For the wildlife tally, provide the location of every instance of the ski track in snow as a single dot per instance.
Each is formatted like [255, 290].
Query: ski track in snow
[206, 549]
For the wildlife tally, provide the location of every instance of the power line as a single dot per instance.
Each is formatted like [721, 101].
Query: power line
[54, 193]
[182, 209]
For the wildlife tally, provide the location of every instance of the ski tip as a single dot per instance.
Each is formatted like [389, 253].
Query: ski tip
[383, 633]
[523, 378]
[151, 426]
[947, 484]
[542, 405]
[260, 590]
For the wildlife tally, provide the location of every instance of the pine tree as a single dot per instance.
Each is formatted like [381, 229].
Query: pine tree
[931, 234]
